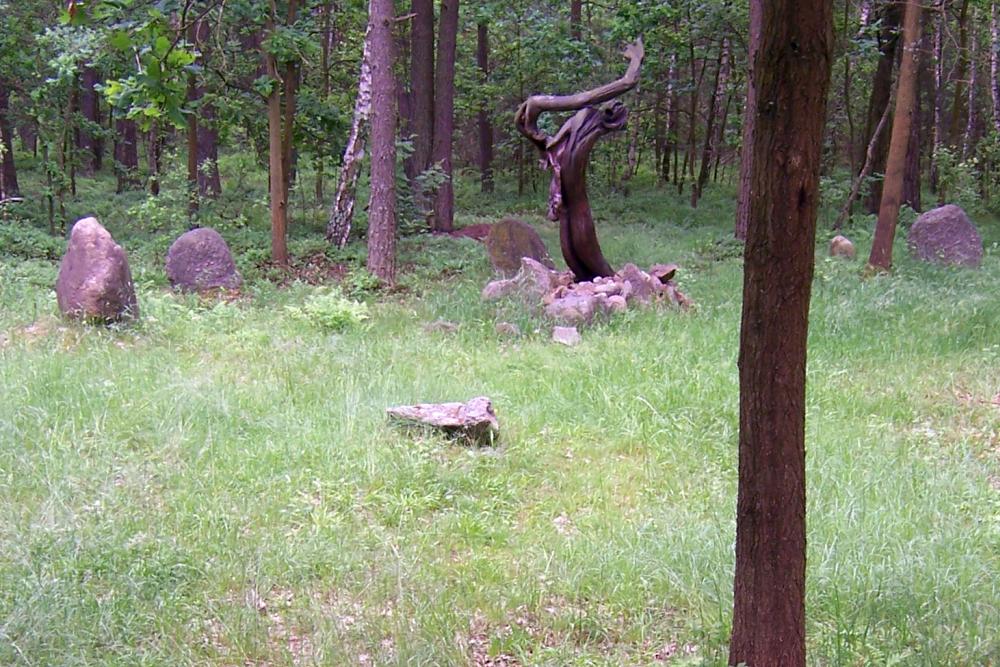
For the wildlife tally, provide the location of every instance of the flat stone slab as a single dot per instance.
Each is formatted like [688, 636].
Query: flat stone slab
[473, 420]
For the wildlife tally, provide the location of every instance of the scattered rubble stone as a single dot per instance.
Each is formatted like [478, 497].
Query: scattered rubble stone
[566, 335]
[473, 420]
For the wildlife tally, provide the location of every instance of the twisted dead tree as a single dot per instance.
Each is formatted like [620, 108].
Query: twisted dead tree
[567, 153]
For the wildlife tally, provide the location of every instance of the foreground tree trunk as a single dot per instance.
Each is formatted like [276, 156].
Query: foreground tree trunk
[444, 114]
[382, 205]
[791, 73]
[749, 123]
[906, 95]
[567, 153]
[338, 227]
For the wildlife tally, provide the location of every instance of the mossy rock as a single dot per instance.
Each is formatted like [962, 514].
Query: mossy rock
[509, 240]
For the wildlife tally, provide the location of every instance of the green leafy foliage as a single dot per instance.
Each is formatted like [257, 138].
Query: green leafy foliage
[330, 310]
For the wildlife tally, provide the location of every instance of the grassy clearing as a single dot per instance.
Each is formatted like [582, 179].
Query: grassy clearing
[218, 485]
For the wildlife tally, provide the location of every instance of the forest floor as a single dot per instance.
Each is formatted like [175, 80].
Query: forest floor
[218, 484]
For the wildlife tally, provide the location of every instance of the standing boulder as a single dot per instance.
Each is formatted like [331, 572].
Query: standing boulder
[945, 235]
[200, 260]
[509, 240]
[94, 282]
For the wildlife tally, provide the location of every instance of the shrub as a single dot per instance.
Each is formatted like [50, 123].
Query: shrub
[330, 310]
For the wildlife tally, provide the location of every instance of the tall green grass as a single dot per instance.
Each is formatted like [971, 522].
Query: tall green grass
[219, 485]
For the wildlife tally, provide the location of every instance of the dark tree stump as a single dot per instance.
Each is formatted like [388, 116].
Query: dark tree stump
[567, 154]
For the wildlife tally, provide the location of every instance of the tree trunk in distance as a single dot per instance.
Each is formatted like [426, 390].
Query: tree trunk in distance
[881, 88]
[749, 120]
[338, 227]
[576, 19]
[153, 150]
[721, 65]
[8, 170]
[275, 163]
[192, 148]
[90, 144]
[939, 138]
[126, 154]
[382, 205]
[866, 170]
[207, 135]
[880, 258]
[485, 126]
[324, 73]
[421, 86]
[791, 73]
[995, 64]
[968, 139]
[444, 114]
[961, 71]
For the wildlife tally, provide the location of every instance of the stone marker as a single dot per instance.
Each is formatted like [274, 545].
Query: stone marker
[507, 329]
[509, 240]
[200, 260]
[566, 335]
[94, 282]
[945, 235]
[473, 420]
[841, 246]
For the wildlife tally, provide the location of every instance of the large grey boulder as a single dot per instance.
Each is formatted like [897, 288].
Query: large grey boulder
[509, 240]
[945, 235]
[94, 282]
[200, 260]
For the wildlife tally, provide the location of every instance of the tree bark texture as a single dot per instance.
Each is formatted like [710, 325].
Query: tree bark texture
[444, 114]
[8, 170]
[749, 120]
[382, 205]
[421, 118]
[567, 153]
[892, 192]
[338, 227]
[791, 73]
[485, 125]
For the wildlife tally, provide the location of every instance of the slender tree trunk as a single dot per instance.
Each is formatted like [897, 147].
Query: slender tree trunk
[291, 84]
[792, 72]
[192, 148]
[275, 156]
[154, 145]
[382, 205]
[672, 123]
[881, 87]
[324, 72]
[968, 139]
[206, 139]
[659, 127]
[720, 137]
[444, 114]
[995, 64]
[421, 86]
[885, 230]
[958, 110]
[576, 19]
[89, 141]
[485, 126]
[721, 67]
[8, 170]
[338, 228]
[126, 154]
[749, 121]
[939, 83]
[866, 170]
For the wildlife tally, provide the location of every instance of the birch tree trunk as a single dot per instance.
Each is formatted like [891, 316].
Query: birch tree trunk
[338, 227]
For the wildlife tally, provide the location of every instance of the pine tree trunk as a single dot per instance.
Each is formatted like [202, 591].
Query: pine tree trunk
[421, 86]
[939, 138]
[866, 170]
[382, 205]
[338, 227]
[958, 110]
[444, 114]
[749, 121]
[324, 72]
[192, 148]
[275, 159]
[206, 134]
[154, 144]
[8, 170]
[576, 19]
[721, 73]
[885, 230]
[485, 126]
[968, 139]
[792, 72]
